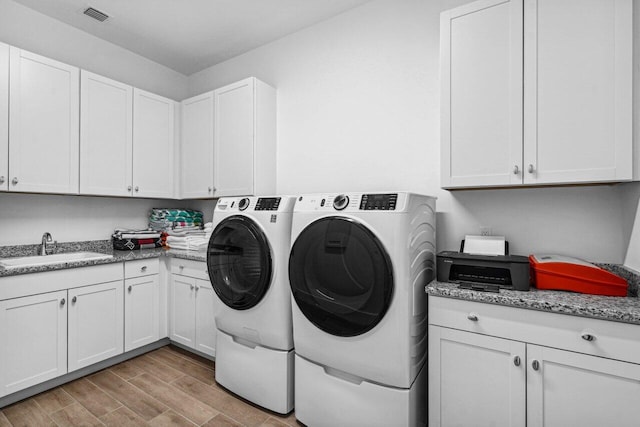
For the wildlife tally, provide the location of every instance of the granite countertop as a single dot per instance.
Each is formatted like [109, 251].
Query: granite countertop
[618, 309]
[100, 246]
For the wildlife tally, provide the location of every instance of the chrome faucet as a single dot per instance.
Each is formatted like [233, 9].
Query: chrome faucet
[47, 241]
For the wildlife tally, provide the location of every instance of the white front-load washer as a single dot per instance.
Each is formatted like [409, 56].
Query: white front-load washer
[358, 267]
[247, 260]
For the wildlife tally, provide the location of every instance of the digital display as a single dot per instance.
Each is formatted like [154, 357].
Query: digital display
[378, 202]
[268, 204]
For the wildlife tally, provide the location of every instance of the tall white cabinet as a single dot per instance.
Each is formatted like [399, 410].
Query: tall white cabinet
[245, 139]
[106, 136]
[44, 124]
[4, 117]
[196, 160]
[153, 145]
[536, 92]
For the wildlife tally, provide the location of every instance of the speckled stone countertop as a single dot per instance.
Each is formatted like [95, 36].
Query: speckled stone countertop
[618, 309]
[100, 246]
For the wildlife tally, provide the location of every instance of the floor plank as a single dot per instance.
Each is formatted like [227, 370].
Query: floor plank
[123, 417]
[156, 368]
[91, 397]
[192, 357]
[185, 405]
[170, 418]
[222, 421]
[204, 374]
[75, 415]
[4, 422]
[133, 398]
[224, 402]
[27, 414]
[54, 400]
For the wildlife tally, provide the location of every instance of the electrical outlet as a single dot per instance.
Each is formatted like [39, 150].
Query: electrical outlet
[486, 231]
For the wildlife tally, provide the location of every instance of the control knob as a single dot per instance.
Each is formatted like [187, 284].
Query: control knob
[244, 204]
[340, 202]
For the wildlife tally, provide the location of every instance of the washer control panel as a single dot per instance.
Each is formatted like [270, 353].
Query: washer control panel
[268, 204]
[378, 202]
[340, 202]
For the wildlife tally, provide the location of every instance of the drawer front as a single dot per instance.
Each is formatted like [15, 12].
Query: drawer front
[602, 338]
[190, 268]
[141, 267]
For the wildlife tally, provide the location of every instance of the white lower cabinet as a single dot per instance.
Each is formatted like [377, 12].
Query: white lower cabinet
[191, 307]
[33, 333]
[480, 375]
[96, 324]
[141, 303]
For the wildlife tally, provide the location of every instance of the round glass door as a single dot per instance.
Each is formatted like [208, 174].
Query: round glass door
[341, 276]
[239, 262]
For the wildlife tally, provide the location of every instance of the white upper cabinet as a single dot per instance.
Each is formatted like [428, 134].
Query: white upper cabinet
[547, 103]
[153, 145]
[4, 117]
[43, 124]
[106, 136]
[577, 91]
[481, 71]
[245, 139]
[196, 148]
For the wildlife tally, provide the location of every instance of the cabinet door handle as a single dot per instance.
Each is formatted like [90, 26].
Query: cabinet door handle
[210, 189]
[181, 267]
[516, 360]
[192, 287]
[531, 168]
[130, 288]
[137, 188]
[215, 189]
[473, 317]
[1, 179]
[129, 188]
[143, 268]
[197, 288]
[14, 181]
[588, 337]
[74, 299]
[535, 365]
[63, 302]
[516, 170]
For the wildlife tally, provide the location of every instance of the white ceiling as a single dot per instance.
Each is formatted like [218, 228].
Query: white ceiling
[191, 35]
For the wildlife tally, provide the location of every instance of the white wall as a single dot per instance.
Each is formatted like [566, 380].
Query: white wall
[27, 29]
[358, 109]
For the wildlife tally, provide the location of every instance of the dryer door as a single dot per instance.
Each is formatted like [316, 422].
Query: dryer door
[239, 262]
[341, 276]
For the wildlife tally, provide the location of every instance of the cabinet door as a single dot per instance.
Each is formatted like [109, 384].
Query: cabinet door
[234, 129]
[571, 389]
[33, 332]
[141, 311]
[106, 136]
[481, 99]
[95, 323]
[43, 124]
[4, 117]
[205, 322]
[182, 316]
[578, 91]
[153, 145]
[196, 149]
[475, 380]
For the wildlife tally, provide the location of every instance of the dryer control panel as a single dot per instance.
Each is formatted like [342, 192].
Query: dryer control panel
[378, 202]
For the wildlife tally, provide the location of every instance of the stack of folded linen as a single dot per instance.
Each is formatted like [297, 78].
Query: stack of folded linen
[191, 240]
[175, 219]
[128, 239]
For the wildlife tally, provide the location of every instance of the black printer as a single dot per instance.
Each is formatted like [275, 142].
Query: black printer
[484, 272]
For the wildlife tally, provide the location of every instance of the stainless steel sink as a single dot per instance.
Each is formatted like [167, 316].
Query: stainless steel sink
[33, 261]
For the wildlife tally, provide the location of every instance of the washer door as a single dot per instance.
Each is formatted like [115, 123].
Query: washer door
[341, 276]
[239, 262]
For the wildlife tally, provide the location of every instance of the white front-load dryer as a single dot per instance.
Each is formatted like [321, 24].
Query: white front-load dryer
[358, 267]
[247, 260]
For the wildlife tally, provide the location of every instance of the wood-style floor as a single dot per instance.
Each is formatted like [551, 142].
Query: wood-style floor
[166, 387]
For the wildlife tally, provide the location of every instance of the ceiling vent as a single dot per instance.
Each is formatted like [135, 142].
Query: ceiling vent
[96, 14]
